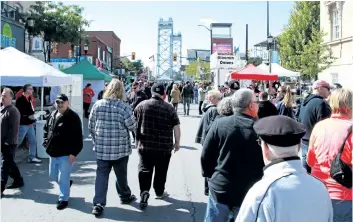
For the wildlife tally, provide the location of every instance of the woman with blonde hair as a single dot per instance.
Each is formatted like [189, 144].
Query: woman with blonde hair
[109, 124]
[285, 107]
[175, 97]
[326, 140]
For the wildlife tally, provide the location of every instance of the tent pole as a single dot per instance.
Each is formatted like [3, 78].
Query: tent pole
[42, 99]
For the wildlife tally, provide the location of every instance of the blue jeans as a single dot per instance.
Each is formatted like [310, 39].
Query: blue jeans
[342, 210]
[29, 131]
[304, 154]
[186, 103]
[196, 98]
[217, 212]
[60, 171]
[102, 179]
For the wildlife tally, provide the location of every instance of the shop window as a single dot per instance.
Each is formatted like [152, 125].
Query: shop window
[334, 78]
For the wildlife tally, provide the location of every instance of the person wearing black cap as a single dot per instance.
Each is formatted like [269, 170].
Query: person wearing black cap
[63, 140]
[156, 121]
[286, 192]
[233, 86]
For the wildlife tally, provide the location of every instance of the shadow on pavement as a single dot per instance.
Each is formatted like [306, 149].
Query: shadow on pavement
[195, 116]
[183, 210]
[188, 147]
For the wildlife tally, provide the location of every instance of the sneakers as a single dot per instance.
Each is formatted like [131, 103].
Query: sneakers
[34, 160]
[62, 204]
[164, 195]
[128, 201]
[97, 210]
[144, 199]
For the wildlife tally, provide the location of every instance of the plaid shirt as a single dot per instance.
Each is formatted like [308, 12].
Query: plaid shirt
[109, 124]
[156, 120]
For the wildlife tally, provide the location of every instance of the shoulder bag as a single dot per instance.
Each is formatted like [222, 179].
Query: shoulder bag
[340, 171]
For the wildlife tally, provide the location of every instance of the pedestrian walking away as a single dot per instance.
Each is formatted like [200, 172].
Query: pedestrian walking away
[10, 124]
[187, 95]
[88, 94]
[176, 97]
[156, 121]
[109, 124]
[284, 178]
[63, 140]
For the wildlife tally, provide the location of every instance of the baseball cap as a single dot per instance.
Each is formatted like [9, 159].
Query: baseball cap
[321, 83]
[233, 84]
[158, 88]
[62, 98]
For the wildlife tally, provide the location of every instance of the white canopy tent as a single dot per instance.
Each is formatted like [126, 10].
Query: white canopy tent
[18, 68]
[279, 70]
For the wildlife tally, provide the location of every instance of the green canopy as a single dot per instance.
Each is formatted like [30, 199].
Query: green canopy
[89, 71]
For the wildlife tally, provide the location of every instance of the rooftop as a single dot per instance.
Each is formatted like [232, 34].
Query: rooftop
[221, 25]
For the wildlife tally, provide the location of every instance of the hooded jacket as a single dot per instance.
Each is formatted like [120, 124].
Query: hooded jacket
[313, 109]
[209, 115]
[266, 108]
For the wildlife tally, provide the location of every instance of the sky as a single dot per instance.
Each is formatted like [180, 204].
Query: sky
[136, 23]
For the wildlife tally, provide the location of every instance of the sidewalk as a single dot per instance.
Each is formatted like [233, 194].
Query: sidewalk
[21, 154]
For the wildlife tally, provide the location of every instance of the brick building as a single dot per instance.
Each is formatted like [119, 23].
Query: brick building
[112, 40]
[101, 53]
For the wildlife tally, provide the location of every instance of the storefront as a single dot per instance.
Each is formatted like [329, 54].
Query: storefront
[12, 34]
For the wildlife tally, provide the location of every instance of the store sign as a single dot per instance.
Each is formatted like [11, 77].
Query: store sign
[7, 38]
[222, 61]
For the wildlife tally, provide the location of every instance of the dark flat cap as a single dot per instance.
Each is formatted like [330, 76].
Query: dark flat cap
[279, 130]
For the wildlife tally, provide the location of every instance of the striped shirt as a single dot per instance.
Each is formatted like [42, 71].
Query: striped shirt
[109, 124]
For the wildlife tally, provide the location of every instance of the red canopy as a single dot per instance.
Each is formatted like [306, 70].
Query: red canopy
[251, 72]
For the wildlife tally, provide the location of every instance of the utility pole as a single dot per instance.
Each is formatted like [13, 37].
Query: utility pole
[268, 22]
[246, 43]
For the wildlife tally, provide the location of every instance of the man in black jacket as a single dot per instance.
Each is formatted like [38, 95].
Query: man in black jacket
[313, 109]
[232, 157]
[24, 104]
[147, 90]
[187, 94]
[266, 108]
[100, 94]
[63, 141]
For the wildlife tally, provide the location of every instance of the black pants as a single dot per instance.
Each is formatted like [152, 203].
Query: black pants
[157, 160]
[200, 105]
[86, 108]
[133, 135]
[206, 186]
[9, 167]
[175, 105]
[169, 98]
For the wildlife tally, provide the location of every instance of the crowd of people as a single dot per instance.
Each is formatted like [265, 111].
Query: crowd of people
[263, 159]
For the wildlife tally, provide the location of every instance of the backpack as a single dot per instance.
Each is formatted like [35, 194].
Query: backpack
[339, 170]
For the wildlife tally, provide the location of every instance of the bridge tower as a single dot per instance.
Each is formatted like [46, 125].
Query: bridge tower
[165, 48]
[177, 49]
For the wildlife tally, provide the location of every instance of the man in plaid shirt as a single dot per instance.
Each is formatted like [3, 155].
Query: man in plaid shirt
[109, 124]
[157, 120]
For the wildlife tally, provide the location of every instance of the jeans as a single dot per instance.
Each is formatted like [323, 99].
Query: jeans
[217, 212]
[186, 102]
[9, 167]
[200, 107]
[60, 171]
[29, 131]
[196, 97]
[157, 160]
[342, 210]
[102, 179]
[304, 154]
[86, 108]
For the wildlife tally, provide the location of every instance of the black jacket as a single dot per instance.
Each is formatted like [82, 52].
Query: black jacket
[63, 136]
[266, 108]
[147, 91]
[285, 111]
[100, 95]
[231, 158]
[187, 92]
[137, 98]
[209, 115]
[313, 109]
[26, 109]
[169, 88]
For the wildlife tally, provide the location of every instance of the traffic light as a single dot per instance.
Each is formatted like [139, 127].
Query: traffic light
[133, 54]
[70, 53]
[249, 52]
[175, 57]
[55, 48]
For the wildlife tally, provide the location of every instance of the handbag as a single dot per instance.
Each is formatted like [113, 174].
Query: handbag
[340, 171]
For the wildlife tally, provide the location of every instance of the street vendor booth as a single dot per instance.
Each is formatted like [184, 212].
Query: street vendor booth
[90, 75]
[18, 69]
[221, 65]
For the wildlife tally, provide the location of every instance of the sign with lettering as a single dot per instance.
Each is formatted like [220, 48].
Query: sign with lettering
[6, 37]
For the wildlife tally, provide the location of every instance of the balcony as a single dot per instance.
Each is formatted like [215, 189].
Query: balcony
[10, 12]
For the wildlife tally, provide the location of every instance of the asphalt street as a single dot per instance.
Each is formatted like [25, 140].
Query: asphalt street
[36, 201]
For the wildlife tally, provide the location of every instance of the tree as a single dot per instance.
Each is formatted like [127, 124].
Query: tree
[300, 45]
[192, 69]
[56, 22]
[255, 61]
[136, 67]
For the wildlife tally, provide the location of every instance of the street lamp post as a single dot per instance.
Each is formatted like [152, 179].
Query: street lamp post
[86, 50]
[30, 25]
[210, 30]
[270, 43]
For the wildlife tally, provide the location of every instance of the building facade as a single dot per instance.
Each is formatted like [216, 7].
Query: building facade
[12, 29]
[336, 21]
[112, 41]
[98, 51]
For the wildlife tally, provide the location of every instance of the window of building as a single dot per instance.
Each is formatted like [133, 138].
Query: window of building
[103, 56]
[336, 25]
[334, 78]
[99, 53]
